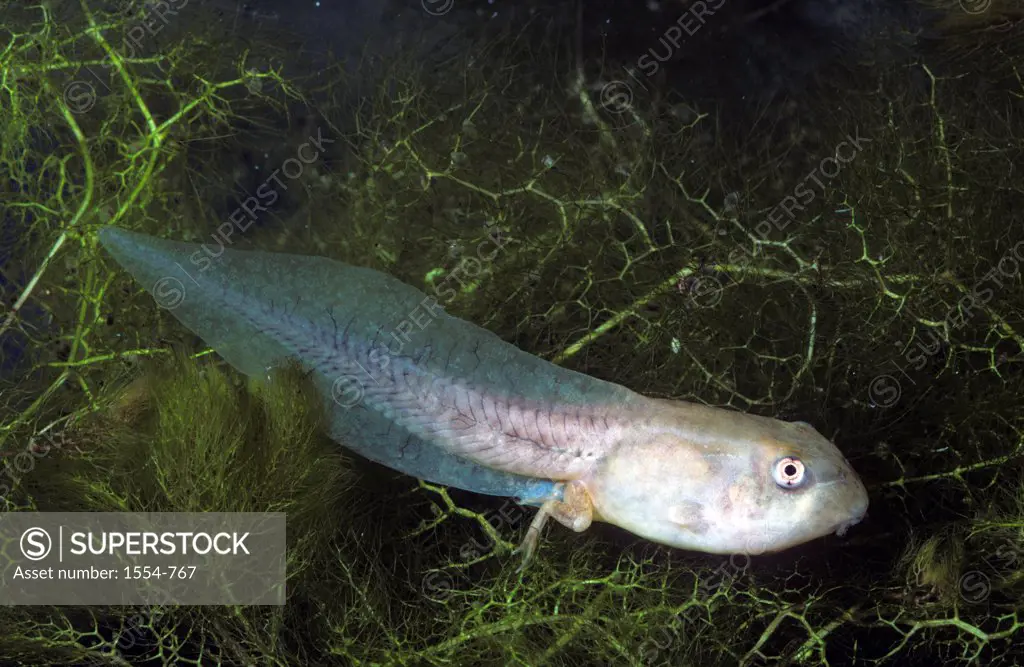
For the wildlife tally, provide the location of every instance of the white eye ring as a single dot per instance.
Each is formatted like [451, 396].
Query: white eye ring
[789, 472]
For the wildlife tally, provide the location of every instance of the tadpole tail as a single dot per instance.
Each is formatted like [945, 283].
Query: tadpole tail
[357, 331]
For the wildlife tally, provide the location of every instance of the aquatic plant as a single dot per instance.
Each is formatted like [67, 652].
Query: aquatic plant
[871, 287]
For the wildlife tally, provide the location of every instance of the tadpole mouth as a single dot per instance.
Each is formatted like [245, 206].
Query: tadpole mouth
[846, 525]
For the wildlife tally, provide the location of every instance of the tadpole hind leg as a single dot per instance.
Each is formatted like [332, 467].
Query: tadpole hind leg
[574, 510]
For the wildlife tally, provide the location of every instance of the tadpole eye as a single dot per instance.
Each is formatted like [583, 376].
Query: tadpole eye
[789, 472]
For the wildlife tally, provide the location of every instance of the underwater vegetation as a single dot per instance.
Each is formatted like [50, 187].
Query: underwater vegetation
[850, 257]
